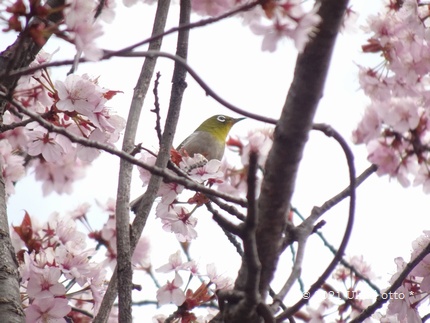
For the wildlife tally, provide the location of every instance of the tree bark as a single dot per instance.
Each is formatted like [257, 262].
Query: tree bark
[20, 54]
[290, 136]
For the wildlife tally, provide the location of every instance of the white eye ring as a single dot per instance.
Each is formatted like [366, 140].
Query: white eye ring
[221, 119]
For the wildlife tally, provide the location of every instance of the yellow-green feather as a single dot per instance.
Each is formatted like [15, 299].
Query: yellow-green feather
[209, 138]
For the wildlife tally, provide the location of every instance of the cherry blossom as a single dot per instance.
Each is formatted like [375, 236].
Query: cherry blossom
[140, 258]
[175, 263]
[179, 221]
[12, 166]
[47, 310]
[212, 7]
[220, 281]
[148, 159]
[58, 178]
[44, 284]
[171, 293]
[395, 126]
[169, 192]
[201, 170]
[79, 18]
[41, 142]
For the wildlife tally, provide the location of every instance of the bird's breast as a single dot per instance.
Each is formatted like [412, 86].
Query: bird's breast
[204, 143]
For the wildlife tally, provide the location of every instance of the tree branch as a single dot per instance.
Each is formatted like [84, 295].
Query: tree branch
[309, 223]
[368, 311]
[292, 131]
[124, 269]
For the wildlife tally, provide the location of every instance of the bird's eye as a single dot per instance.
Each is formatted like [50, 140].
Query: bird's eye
[221, 119]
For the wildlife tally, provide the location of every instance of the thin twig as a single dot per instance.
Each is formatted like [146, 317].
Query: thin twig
[156, 109]
[99, 8]
[295, 271]
[227, 207]
[23, 123]
[329, 131]
[368, 311]
[223, 222]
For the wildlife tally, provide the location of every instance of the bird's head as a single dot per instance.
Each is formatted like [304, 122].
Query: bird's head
[218, 125]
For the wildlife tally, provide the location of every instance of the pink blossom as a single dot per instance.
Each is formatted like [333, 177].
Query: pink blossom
[12, 166]
[80, 212]
[220, 281]
[76, 266]
[171, 293]
[402, 307]
[396, 128]
[369, 126]
[42, 142]
[175, 263]
[140, 258]
[306, 28]
[108, 12]
[209, 171]
[422, 270]
[66, 233]
[259, 141]
[287, 20]
[88, 154]
[98, 287]
[58, 177]
[77, 93]
[272, 34]
[362, 267]
[47, 310]
[190, 266]
[82, 28]
[17, 137]
[423, 178]
[45, 284]
[384, 156]
[318, 315]
[148, 159]
[212, 7]
[169, 192]
[180, 221]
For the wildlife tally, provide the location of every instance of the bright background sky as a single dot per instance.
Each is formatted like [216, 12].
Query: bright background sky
[228, 57]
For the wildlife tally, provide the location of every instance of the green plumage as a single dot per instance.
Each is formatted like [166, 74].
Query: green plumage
[209, 138]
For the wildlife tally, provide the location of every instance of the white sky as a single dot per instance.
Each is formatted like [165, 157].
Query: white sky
[228, 57]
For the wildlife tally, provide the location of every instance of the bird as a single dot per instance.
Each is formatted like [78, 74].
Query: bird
[208, 140]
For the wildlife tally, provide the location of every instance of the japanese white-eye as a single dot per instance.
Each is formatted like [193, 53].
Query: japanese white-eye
[208, 140]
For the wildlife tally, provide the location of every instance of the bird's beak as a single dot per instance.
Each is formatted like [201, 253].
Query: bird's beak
[237, 120]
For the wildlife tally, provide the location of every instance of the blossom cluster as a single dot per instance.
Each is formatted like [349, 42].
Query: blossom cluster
[274, 20]
[57, 269]
[77, 104]
[415, 289]
[79, 26]
[346, 302]
[223, 176]
[188, 299]
[396, 125]
[106, 237]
